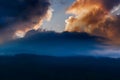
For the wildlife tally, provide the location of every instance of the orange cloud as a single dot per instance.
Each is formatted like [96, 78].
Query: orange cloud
[94, 17]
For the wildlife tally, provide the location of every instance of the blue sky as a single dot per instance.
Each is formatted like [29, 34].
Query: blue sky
[57, 22]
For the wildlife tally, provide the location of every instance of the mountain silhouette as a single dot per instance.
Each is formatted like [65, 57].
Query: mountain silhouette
[36, 67]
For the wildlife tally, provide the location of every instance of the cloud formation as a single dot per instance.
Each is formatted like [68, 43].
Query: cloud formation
[53, 44]
[20, 16]
[94, 17]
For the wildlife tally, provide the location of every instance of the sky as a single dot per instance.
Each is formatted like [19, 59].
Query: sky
[57, 22]
[60, 27]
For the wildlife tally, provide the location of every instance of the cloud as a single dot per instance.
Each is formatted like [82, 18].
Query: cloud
[109, 4]
[95, 18]
[108, 51]
[60, 44]
[19, 16]
[53, 44]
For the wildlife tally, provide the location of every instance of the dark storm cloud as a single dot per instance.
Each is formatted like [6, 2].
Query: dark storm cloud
[62, 36]
[51, 43]
[109, 4]
[21, 15]
[60, 44]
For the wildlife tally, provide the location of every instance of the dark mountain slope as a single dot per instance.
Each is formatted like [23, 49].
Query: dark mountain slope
[35, 67]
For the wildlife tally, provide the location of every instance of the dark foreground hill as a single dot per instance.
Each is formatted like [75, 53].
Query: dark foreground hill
[35, 67]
